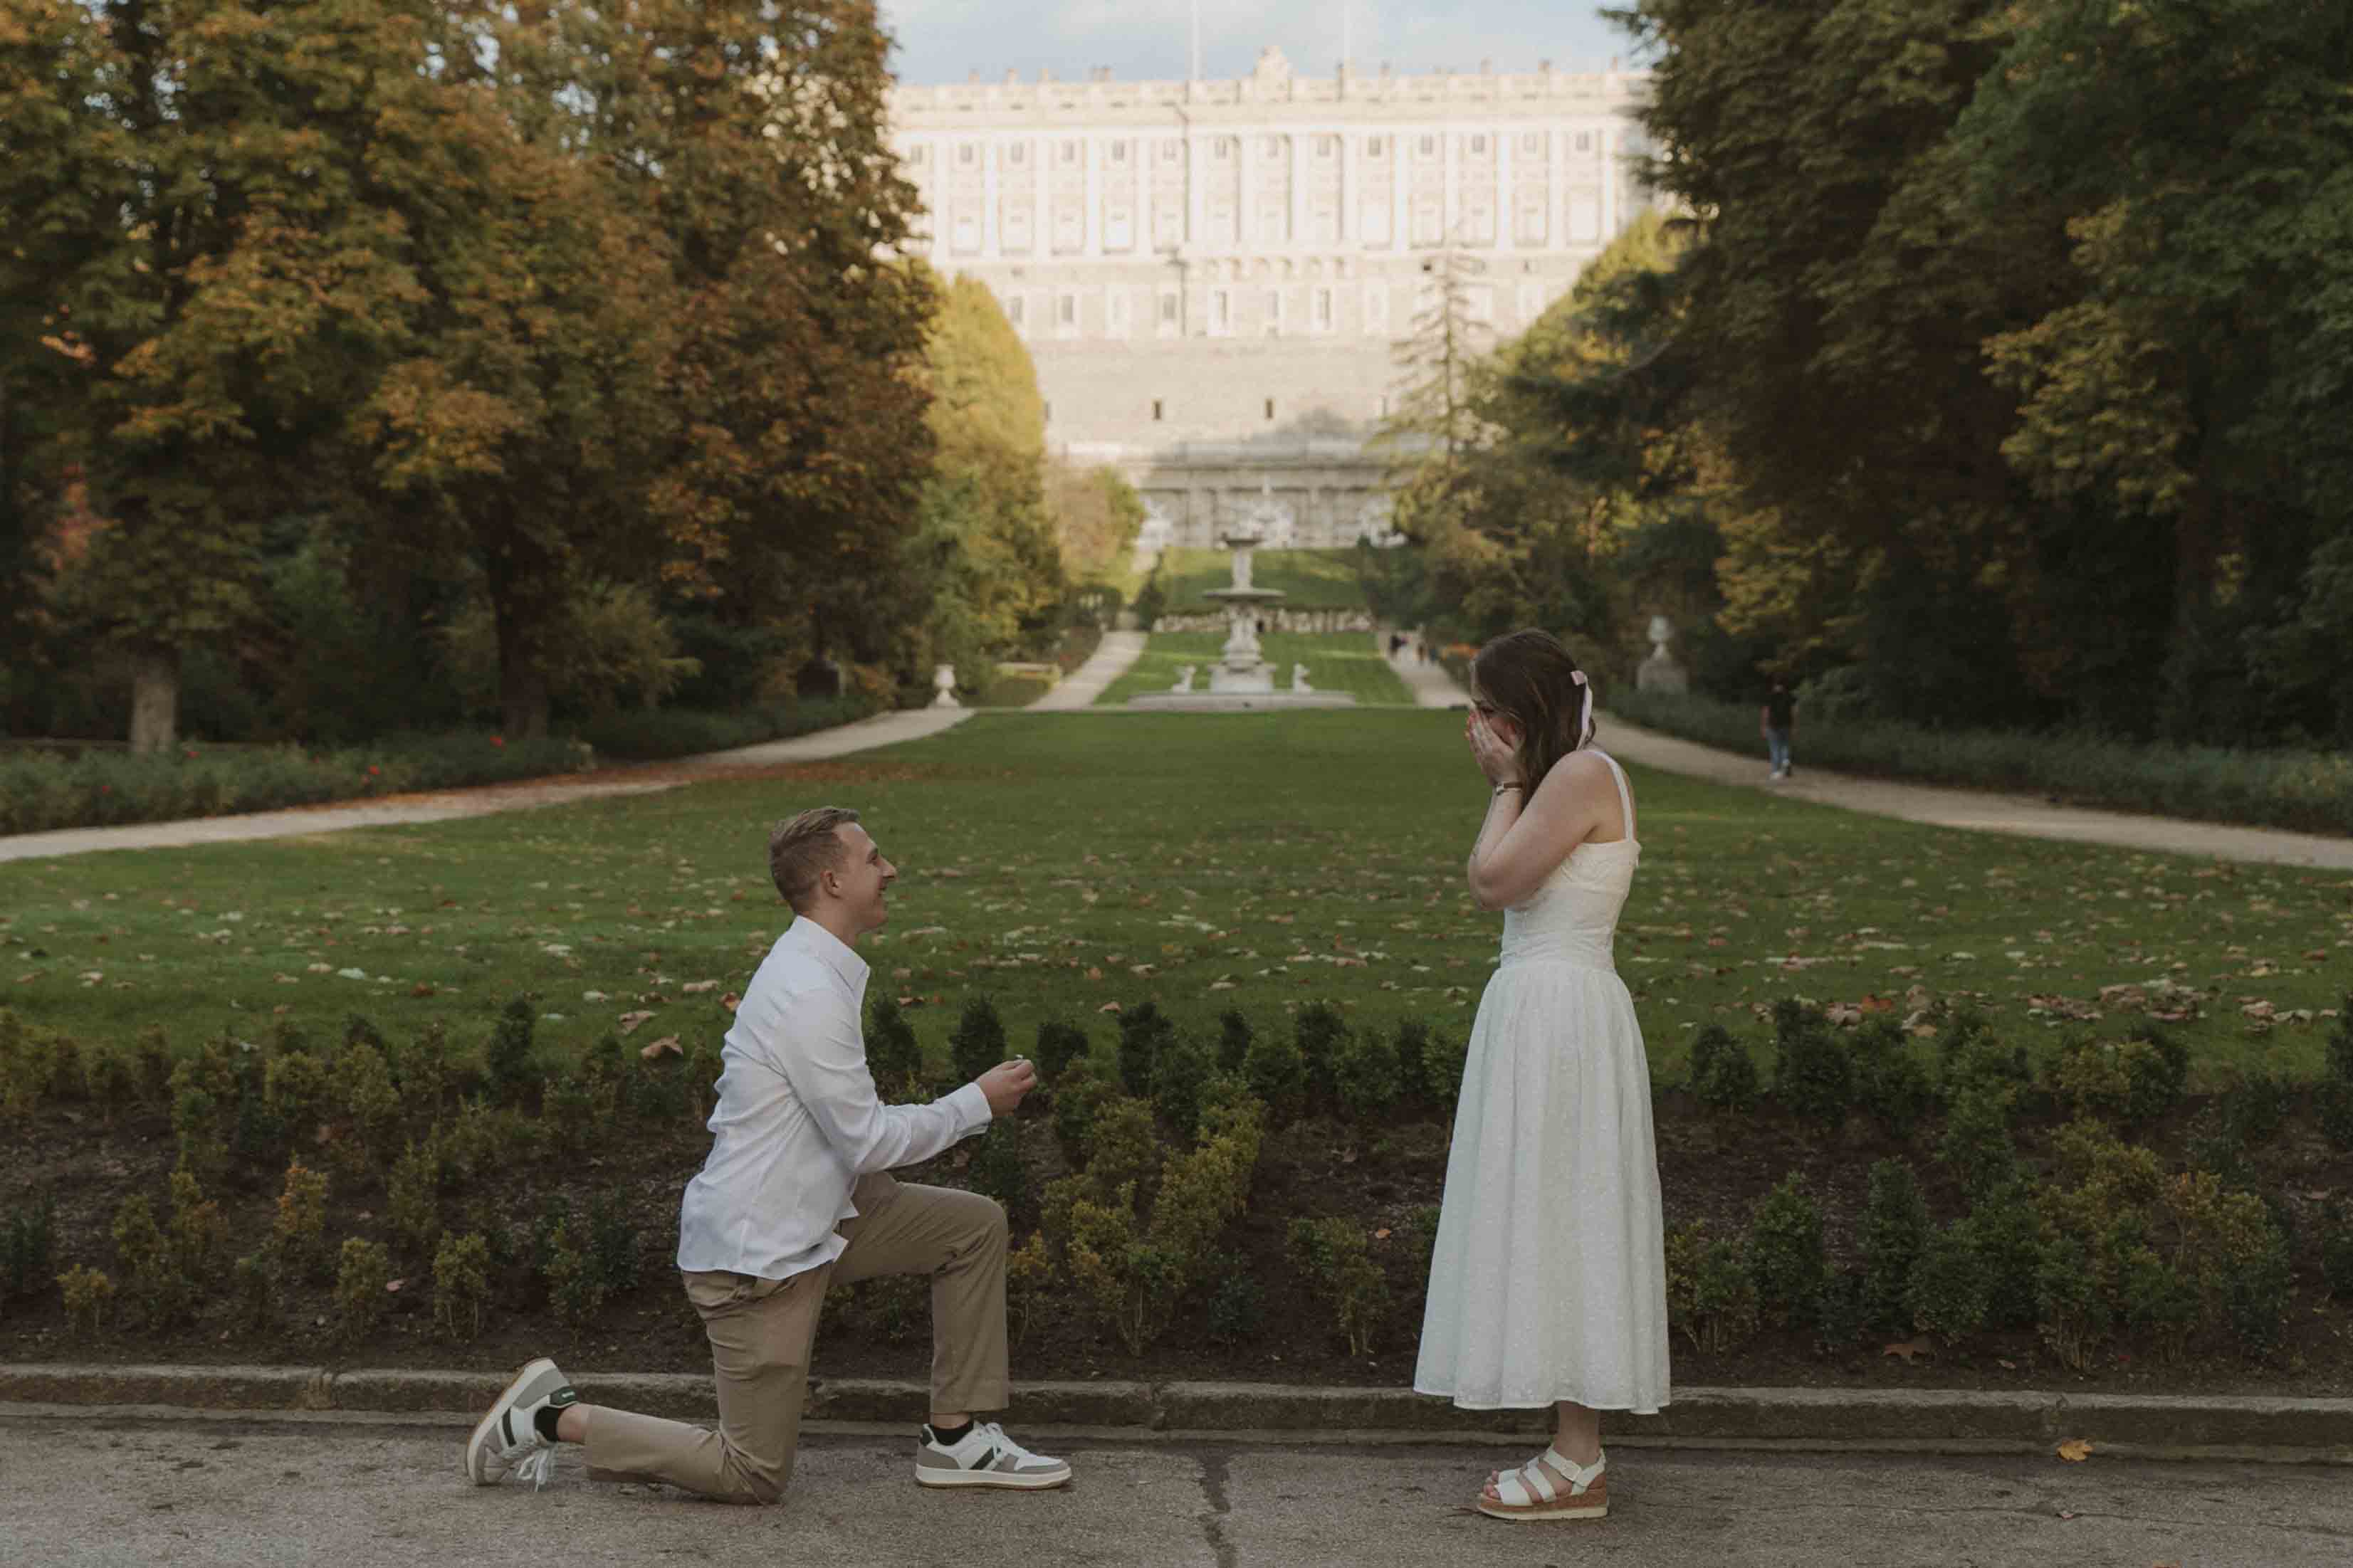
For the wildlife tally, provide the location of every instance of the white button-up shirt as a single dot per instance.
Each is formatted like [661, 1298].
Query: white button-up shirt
[798, 1121]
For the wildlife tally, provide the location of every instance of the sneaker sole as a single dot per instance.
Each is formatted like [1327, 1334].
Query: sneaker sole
[945, 1479]
[479, 1441]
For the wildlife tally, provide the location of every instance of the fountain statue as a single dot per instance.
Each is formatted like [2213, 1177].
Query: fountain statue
[1241, 679]
[1299, 679]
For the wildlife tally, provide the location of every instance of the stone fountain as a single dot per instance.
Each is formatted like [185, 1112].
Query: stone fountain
[1241, 679]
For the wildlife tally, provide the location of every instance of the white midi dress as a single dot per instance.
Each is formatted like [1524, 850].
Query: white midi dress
[1548, 1278]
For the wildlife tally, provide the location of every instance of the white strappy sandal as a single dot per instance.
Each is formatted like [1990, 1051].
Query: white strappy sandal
[1528, 1494]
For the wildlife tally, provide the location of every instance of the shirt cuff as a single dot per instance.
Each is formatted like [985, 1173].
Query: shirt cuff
[972, 1110]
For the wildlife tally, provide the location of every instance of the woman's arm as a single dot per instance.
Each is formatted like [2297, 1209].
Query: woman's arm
[1522, 840]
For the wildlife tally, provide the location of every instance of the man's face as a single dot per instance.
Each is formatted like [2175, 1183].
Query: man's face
[862, 879]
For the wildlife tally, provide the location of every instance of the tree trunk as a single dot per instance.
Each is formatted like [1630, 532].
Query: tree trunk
[155, 701]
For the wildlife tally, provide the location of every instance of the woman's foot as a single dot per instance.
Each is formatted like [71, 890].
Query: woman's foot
[1550, 1485]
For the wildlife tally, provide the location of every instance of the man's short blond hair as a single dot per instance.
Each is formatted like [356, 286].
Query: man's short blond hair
[804, 847]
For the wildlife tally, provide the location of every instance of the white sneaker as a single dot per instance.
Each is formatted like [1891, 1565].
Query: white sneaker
[507, 1440]
[986, 1457]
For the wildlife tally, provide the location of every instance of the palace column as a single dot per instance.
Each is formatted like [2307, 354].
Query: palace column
[990, 247]
[1091, 232]
[1506, 198]
[1298, 188]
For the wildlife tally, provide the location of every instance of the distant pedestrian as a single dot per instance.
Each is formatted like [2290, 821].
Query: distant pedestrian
[1779, 719]
[1547, 1281]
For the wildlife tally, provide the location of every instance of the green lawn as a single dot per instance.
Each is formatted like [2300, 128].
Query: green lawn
[1061, 863]
[1315, 579]
[1345, 661]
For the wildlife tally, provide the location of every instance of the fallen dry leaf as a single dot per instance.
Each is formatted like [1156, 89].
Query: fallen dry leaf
[2075, 1450]
[1909, 1349]
[729, 1001]
[667, 1043]
[1108, 1007]
[629, 1021]
[422, 989]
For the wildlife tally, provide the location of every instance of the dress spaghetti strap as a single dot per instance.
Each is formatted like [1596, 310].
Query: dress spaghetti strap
[1625, 798]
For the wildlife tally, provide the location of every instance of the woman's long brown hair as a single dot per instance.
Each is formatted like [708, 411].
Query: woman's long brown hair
[1530, 679]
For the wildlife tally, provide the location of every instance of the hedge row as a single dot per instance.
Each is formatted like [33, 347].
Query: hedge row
[2310, 791]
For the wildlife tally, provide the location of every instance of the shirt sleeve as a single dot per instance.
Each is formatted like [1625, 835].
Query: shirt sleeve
[824, 1061]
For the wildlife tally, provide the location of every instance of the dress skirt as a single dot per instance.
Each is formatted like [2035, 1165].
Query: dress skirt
[1548, 1279]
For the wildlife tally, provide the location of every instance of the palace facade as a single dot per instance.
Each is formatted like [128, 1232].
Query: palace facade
[1211, 275]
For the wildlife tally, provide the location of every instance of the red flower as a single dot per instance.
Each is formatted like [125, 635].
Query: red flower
[372, 769]
[497, 739]
[105, 789]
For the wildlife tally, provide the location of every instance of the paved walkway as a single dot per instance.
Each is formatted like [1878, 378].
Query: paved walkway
[882, 729]
[1433, 687]
[1980, 810]
[97, 1488]
[1079, 688]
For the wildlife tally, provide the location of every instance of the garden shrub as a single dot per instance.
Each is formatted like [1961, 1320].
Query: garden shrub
[425, 1070]
[978, 1042]
[1418, 1235]
[1029, 1284]
[359, 1029]
[1058, 1045]
[113, 1081]
[1078, 1101]
[1947, 1292]
[1234, 1037]
[1322, 1035]
[152, 1063]
[88, 1294]
[363, 1273]
[196, 1128]
[2071, 1309]
[575, 1285]
[612, 1243]
[413, 1197]
[2155, 1302]
[199, 1233]
[1335, 1259]
[1277, 1074]
[461, 1284]
[1894, 1232]
[369, 1097]
[1410, 1043]
[1131, 1285]
[894, 1057]
[1181, 1079]
[699, 1076]
[1890, 1080]
[1711, 1295]
[996, 1171]
[1442, 1061]
[1844, 1313]
[2337, 1251]
[1976, 1141]
[2007, 1234]
[2258, 1297]
[1785, 1252]
[1367, 1076]
[1812, 1074]
[506, 1059]
[2228, 1248]
[2157, 1072]
[2255, 1108]
[2333, 1104]
[164, 1296]
[1237, 1314]
[1968, 1052]
[1721, 1073]
[256, 1287]
[1126, 1144]
[1144, 1032]
[298, 1232]
[26, 1244]
[2089, 1079]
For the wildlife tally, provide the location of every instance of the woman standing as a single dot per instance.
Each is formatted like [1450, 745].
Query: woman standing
[1547, 1285]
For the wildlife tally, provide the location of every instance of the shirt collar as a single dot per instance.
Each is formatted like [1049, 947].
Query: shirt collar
[837, 954]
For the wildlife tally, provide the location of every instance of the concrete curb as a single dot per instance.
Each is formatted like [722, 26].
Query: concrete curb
[1909, 1420]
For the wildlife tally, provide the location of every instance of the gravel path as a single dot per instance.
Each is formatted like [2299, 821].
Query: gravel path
[882, 729]
[1079, 688]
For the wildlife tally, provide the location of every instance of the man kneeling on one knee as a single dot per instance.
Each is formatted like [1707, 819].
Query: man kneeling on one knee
[797, 1195]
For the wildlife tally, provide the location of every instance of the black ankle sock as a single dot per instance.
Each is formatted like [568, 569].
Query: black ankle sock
[949, 1437]
[544, 1418]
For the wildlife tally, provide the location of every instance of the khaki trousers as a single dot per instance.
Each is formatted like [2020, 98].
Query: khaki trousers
[762, 1331]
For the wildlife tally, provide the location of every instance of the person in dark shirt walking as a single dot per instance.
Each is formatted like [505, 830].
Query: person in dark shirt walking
[1777, 720]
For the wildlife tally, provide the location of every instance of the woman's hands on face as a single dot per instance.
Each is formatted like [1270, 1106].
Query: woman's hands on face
[1491, 742]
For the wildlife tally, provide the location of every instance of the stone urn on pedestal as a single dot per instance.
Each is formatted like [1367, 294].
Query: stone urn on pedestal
[943, 684]
[1661, 672]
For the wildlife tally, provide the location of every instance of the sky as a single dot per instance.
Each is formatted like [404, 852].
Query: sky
[943, 40]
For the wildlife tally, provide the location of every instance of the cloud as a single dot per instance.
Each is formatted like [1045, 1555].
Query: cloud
[943, 40]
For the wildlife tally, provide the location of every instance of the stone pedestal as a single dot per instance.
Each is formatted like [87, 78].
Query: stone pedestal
[943, 683]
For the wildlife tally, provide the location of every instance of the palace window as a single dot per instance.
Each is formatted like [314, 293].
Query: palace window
[915, 154]
[1017, 311]
[1377, 146]
[1376, 311]
[1584, 141]
[1221, 312]
[1171, 150]
[1478, 146]
[1170, 307]
[1270, 408]
[967, 233]
[1070, 154]
[1116, 304]
[1429, 146]
[1531, 140]
[1320, 315]
[1273, 327]
[1156, 410]
[1225, 148]
[1018, 154]
[1066, 314]
[966, 154]
[1119, 229]
[1327, 146]
[1118, 152]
